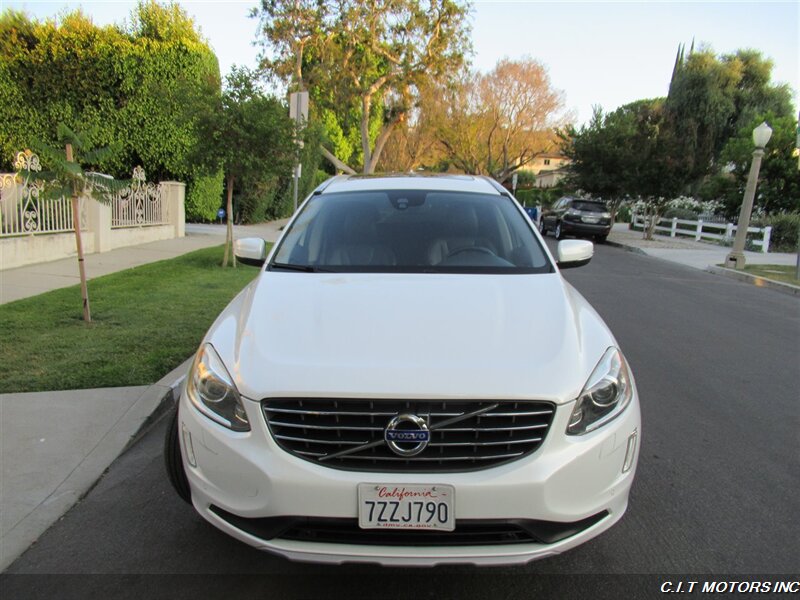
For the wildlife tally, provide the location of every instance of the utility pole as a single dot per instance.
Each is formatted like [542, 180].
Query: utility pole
[298, 112]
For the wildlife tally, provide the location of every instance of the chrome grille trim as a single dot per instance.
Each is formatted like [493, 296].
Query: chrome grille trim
[464, 434]
[294, 411]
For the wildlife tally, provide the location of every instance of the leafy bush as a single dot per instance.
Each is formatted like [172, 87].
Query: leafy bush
[785, 230]
[527, 197]
[122, 85]
[525, 179]
[204, 196]
[259, 200]
[539, 196]
[624, 214]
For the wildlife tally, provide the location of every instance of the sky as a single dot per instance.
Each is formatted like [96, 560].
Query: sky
[597, 53]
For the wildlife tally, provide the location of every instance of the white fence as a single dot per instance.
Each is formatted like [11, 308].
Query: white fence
[699, 230]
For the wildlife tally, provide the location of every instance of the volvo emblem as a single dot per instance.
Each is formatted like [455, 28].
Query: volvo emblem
[407, 435]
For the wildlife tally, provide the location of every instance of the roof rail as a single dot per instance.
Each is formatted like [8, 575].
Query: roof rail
[321, 187]
[496, 185]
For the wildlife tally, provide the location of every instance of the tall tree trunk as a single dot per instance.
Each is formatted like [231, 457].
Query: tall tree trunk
[76, 223]
[381, 140]
[229, 228]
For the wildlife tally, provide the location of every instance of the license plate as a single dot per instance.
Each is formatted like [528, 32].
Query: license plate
[590, 219]
[400, 506]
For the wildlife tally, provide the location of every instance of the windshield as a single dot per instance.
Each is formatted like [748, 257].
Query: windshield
[589, 206]
[411, 231]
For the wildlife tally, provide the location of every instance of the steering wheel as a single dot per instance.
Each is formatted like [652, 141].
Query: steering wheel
[480, 249]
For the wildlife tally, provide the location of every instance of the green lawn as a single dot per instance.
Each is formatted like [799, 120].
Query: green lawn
[785, 274]
[146, 321]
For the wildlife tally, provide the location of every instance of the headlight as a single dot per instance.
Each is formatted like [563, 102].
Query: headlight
[211, 389]
[607, 392]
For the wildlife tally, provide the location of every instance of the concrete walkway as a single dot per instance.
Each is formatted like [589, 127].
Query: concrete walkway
[699, 255]
[32, 280]
[55, 445]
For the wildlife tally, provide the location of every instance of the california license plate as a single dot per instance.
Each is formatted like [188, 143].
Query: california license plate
[590, 219]
[400, 506]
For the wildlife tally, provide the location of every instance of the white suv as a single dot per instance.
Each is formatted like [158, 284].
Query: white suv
[409, 381]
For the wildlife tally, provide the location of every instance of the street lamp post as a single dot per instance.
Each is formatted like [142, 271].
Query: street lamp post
[735, 259]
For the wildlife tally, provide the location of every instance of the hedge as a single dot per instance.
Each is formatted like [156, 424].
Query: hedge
[124, 86]
[785, 231]
[204, 195]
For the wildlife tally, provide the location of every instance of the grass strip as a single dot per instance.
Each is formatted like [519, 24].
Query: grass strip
[146, 321]
[782, 273]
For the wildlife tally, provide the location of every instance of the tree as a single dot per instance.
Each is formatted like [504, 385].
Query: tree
[246, 132]
[602, 158]
[521, 111]
[627, 153]
[363, 61]
[709, 100]
[67, 176]
[415, 143]
[496, 123]
[779, 179]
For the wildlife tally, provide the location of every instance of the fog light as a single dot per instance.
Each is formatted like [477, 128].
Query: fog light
[187, 444]
[630, 453]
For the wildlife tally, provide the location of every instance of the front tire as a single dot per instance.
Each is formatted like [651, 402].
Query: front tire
[174, 461]
[542, 228]
[559, 233]
[600, 239]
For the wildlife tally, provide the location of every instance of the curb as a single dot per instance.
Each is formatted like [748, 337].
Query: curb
[784, 288]
[153, 410]
[634, 249]
[140, 416]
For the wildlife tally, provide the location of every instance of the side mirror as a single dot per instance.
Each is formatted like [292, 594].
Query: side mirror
[250, 251]
[574, 253]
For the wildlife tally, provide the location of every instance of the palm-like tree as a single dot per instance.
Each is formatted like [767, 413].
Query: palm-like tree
[66, 176]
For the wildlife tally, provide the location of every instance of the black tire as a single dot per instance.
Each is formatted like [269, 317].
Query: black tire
[174, 461]
[600, 239]
[542, 228]
[559, 233]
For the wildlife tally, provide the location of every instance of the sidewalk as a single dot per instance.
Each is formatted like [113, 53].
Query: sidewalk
[32, 280]
[48, 464]
[699, 255]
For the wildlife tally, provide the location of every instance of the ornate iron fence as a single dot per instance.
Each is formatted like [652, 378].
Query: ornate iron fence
[25, 211]
[22, 209]
[139, 205]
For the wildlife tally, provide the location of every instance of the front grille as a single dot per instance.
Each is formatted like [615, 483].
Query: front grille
[468, 532]
[349, 434]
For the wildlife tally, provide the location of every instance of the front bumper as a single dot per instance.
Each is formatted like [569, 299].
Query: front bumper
[568, 479]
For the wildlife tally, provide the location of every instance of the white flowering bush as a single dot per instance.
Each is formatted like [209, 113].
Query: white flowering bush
[700, 207]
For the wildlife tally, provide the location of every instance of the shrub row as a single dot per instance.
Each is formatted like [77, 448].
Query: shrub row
[785, 231]
[123, 86]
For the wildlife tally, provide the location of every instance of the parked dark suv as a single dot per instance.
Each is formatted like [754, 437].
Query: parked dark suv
[574, 216]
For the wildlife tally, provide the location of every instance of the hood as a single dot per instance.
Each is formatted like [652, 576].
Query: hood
[420, 336]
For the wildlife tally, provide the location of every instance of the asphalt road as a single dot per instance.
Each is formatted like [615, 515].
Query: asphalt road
[717, 365]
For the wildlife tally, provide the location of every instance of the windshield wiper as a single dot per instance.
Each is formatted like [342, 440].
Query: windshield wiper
[301, 268]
